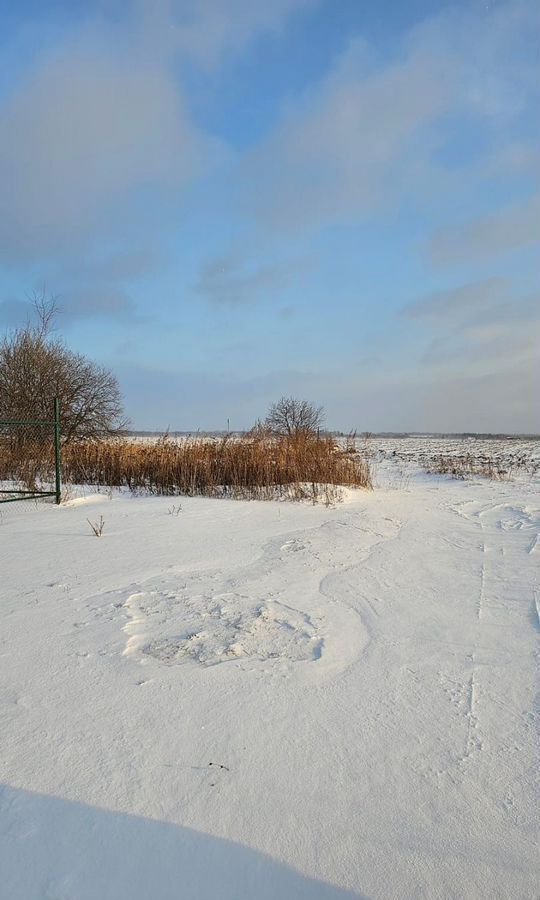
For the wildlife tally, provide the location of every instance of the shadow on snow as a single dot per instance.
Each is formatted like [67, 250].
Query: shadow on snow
[56, 849]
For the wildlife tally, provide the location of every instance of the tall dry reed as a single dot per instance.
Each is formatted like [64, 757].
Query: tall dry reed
[256, 466]
[26, 460]
[466, 465]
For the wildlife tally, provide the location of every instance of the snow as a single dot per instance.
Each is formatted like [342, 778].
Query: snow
[272, 700]
[519, 456]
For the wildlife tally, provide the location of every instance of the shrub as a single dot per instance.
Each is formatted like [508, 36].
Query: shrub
[467, 465]
[36, 366]
[294, 417]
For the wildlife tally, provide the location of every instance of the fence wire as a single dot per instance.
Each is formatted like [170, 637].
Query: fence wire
[30, 458]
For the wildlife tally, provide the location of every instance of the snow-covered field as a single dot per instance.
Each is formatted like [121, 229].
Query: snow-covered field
[268, 701]
[518, 456]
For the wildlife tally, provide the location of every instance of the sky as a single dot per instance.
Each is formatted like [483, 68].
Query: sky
[235, 200]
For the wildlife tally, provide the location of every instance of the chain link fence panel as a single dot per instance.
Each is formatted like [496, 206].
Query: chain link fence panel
[30, 463]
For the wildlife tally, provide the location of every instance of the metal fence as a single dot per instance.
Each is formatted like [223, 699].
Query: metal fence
[30, 458]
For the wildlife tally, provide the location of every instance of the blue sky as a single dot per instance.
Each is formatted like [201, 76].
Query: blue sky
[235, 200]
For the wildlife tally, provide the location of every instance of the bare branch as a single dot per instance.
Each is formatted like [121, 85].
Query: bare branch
[290, 416]
[36, 366]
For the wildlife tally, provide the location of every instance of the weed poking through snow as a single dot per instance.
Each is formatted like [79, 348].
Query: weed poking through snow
[97, 527]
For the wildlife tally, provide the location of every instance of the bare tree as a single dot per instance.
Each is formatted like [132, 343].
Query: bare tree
[293, 417]
[36, 366]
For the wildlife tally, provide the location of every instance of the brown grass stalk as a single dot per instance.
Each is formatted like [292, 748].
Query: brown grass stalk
[257, 466]
[466, 465]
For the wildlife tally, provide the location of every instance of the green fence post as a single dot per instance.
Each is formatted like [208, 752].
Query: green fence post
[58, 484]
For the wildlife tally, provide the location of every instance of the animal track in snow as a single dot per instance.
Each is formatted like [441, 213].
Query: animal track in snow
[293, 546]
[215, 629]
[274, 614]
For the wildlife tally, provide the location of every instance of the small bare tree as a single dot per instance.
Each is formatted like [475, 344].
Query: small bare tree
[36, 366]
[294, 417]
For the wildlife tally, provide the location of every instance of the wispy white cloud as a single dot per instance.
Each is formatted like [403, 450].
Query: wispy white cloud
[341, 150]
[101, 119]
[98, 144]
[87, 302]
[209, 30]
[82, 133]
[89, 287]
[487, 399]
[233, 281]
[123, 265]
[368, 136]
[453, 306]
[485, 325]
[488, 236]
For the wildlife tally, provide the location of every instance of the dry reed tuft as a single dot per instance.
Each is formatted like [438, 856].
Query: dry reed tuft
[25, 461]
[467, 465]
[256, 466]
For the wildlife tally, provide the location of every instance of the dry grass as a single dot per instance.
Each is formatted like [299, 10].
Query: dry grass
[466, 465]
[26, 462]
[257, 466]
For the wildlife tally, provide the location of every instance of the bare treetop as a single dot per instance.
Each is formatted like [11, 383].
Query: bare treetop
[36, 366]
[291, 417]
